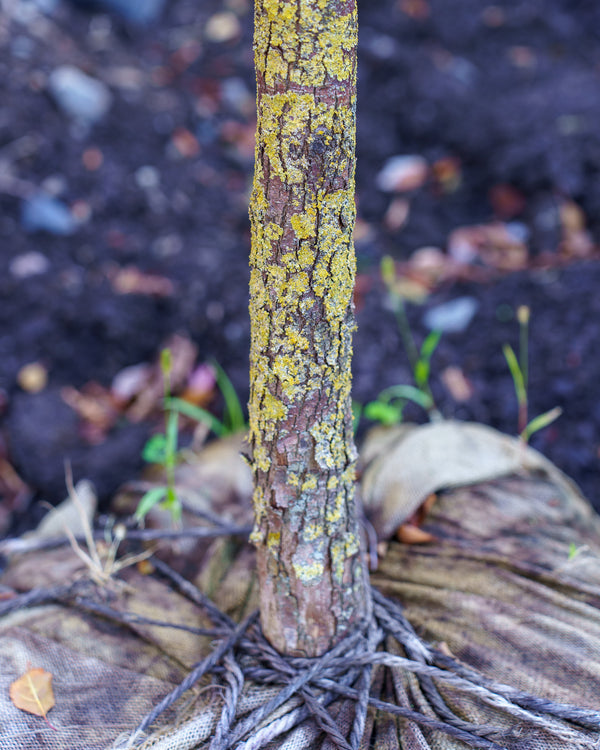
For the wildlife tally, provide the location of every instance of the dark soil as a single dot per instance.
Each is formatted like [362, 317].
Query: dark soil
[501, 100]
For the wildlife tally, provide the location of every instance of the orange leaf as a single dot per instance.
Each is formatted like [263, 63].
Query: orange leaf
[408, 533]
[32, 692]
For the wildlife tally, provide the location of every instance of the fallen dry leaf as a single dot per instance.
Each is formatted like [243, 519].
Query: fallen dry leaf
[200, 388]
[402, 173]
[576, 241]
[408, 533]
[150, 398]
[96, 408]
[32, 692]
[506, 201]
[417, 9]
[496, 245]
[447, 174]
[131, 280]
[405, 464]
[457, 383]
[185, 143]
[397, 214]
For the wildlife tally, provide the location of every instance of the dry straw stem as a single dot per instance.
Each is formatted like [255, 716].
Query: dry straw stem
[100, 570]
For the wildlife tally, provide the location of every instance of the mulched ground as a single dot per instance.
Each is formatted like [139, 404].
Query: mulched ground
[498, 103]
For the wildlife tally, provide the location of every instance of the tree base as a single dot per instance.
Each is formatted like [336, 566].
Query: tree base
[501, 650]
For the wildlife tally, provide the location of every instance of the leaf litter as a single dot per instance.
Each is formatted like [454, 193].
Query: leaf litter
[32, 692]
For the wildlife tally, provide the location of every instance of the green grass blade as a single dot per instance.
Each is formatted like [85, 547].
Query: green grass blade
[234, 414]
[386, 414]
[149, 500]
[197, 413]
[541, 421]
[516, 373]
[357, 411]
[408, 393]
[430, 344]
[423, 365]
[171, 435]
[166, 365]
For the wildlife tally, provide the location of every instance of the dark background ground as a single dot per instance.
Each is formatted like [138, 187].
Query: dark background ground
[502, 101]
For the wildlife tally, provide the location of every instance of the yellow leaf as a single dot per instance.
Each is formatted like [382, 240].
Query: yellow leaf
[32, 692]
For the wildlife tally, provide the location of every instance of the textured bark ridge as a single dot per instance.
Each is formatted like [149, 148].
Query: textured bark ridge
[302, 276]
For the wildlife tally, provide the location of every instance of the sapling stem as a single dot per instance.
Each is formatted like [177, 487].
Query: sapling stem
[171, 434]
[519, 370]
[388, 274]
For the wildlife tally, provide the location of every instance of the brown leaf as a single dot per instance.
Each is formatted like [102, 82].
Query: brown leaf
[131, 280]
[32, 692]
[506, 201]
[397, 214]
[447, 174]
[185, 143]
[95, 406]
[403, 173]
[496, 245]
[417, 9]
[408, 533]
[457, 383]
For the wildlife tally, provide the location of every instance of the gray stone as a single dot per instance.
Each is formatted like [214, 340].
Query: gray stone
[453, 316]
[42, 213]
[78, 95]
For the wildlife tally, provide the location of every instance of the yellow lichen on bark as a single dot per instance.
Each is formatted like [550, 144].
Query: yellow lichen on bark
[302, 277]
[321, 46]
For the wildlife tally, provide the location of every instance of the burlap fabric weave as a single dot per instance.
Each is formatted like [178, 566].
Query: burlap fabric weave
[510, 587]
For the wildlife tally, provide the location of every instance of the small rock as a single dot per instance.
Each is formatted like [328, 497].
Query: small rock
[54, 185]
[82, 212]
[453, 316]
[33, 377]
[166, 246]
[235, 94]
[92, 158]
[222, 27]
[147, 177]
[78, 95]
[46, 214]
[402, 173]
[28, 264]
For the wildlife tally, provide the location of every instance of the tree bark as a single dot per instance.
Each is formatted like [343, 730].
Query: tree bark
[312, 577]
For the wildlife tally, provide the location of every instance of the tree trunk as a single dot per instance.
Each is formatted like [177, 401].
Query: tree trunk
[312, 577]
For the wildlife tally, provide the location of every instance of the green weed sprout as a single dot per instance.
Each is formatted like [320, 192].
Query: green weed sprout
[388, 276]
[163, 449]
[389, 404]
[519, 370]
